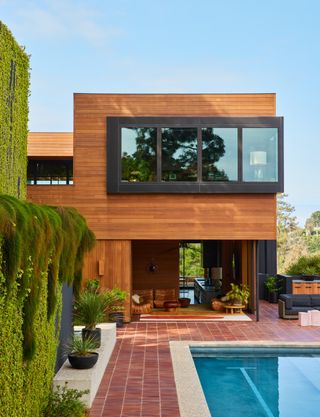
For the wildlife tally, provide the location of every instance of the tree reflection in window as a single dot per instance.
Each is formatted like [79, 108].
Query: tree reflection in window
[50, 172]
[179, 154]
[219, 154]
[138, 154]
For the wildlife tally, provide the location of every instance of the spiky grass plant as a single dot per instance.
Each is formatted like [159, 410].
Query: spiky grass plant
[82, 346]
[89, 309]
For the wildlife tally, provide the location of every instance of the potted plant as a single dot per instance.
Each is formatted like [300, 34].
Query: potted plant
[114, 305]
[238, 295]
[82, 353]
[89, 310]
[271, 283]
[93, 285]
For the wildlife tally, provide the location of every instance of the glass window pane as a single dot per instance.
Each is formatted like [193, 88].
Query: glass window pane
[138, 154]
[179, 154]
[219, 154]
[49, 172]
[260, 154]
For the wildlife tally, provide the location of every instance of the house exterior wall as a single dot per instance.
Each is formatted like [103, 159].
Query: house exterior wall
[117, 219]
[161, 216]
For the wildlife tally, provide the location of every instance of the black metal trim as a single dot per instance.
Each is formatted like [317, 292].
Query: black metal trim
[115, 185]
[240, 162]
[257, 281]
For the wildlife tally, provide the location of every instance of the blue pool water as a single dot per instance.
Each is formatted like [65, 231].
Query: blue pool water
[260, 382]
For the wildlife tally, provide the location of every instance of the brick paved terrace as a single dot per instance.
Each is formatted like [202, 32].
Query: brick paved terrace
[139, 381]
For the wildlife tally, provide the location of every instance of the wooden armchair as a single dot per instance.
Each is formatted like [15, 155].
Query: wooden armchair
[145, 305]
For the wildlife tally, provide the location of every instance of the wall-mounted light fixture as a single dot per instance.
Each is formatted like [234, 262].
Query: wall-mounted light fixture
[153, 267]
[101, 267]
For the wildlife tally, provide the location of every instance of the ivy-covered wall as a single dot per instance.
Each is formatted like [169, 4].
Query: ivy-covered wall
[41, 247]
[14, 91]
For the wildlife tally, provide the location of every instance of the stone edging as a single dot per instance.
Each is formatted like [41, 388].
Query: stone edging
[191, 398]
[83, 379]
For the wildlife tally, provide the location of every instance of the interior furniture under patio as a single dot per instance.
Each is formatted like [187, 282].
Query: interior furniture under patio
[164, 294]
[171, 305]
[291, 304]
[150, 298]
[234, 308]
[145, 304]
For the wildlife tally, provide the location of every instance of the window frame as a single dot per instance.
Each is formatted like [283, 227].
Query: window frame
[113, 140]
[68, 162]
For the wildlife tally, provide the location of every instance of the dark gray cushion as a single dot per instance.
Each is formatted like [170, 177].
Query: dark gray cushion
[301, 300]
[315, 300]
[297, 309]
[287, 299]
[291, 312]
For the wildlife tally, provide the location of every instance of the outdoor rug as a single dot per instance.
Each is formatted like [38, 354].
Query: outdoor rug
[190, 318]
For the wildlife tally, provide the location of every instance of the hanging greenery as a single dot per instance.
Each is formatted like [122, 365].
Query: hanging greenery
[41, 247]
[48, 240]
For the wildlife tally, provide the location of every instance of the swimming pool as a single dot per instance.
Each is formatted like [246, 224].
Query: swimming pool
[259, 381]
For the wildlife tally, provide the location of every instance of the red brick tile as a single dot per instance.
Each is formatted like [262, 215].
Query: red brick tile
[139, 380]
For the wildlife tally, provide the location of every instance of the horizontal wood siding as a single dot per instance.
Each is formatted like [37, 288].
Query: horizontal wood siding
[50, 144]
[161, 216]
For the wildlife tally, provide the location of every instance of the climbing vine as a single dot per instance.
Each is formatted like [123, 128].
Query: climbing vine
[14, 91]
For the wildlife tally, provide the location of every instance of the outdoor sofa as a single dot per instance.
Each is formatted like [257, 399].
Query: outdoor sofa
[291, 304]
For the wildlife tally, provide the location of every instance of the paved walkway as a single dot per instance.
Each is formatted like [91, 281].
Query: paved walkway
[139, 382]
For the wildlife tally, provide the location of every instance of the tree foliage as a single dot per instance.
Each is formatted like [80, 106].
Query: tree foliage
[290, 238]
[191, 260]
[305, 265]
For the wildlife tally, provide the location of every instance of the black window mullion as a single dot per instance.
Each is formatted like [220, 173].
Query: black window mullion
[199, 155]
[159, 155]
[240, 160]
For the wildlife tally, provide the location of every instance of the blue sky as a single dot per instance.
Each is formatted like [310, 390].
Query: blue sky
[189, 46]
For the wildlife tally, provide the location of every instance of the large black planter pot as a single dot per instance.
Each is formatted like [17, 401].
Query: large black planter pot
[273, 297]
[83, 362]
[117, 317]
[94, 334]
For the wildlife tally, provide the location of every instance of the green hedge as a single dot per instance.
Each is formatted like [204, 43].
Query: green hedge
[14, 91]
[305, 265]
[40, 248]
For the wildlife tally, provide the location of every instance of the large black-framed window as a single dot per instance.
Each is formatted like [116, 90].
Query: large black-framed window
[194, 154]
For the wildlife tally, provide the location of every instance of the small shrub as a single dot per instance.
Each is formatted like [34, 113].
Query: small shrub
[93, 285]
[272, 284]
[306, 265]
[66, 402]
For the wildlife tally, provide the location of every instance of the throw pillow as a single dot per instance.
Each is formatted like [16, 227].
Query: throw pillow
[136, 298]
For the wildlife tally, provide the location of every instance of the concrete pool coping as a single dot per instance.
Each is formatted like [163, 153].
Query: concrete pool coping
[191, 399]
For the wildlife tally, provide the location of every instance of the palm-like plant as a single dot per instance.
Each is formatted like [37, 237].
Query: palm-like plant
[89, 309]
[82, 346]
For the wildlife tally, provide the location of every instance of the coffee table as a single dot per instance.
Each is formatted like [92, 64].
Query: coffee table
[171, 305]
[234, 309]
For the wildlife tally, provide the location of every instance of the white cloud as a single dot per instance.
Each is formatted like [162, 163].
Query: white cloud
[63, 20]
